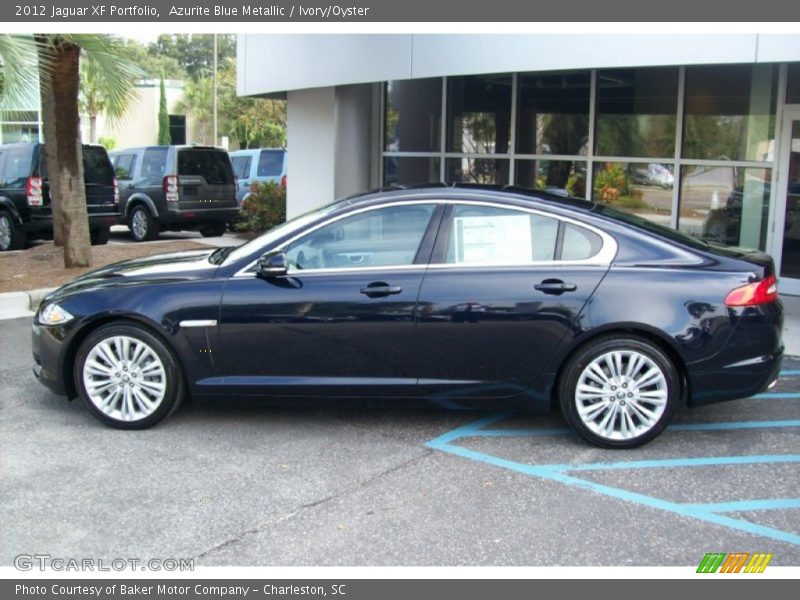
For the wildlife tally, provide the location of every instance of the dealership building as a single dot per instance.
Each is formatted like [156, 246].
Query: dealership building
[698, 132]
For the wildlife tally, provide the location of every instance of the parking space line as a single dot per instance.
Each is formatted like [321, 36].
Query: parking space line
[776, 396]
[704, 461]
[789, 373]
[733, 425]
[685, 510]
[748, 505]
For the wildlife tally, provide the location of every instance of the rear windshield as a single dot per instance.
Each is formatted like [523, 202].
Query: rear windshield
[214, 165]
[270, 164]
[97, 167]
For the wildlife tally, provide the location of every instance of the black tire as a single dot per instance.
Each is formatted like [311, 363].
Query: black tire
[174, 389]
[634, 346]
[144, 228]
[213, 229]
[11, 236]
[100, 236]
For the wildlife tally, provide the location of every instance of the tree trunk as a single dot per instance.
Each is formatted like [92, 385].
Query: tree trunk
[63, 149]
[92, 128]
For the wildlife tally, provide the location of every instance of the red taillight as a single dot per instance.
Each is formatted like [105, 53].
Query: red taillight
[171, 188]
[116, 191]
[283, 181]
[753, 294]
[33, 190]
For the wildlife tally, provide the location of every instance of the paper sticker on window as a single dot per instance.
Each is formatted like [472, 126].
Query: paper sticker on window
[497, 239]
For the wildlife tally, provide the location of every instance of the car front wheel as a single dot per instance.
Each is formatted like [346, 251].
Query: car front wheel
[142, 225]
[11, 237]
[619, 391]
[128, 377]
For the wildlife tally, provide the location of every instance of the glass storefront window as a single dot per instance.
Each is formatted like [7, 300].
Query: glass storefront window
[479, 114]
[730, 112]
[477, 170]
[636, 112]
[643, 189]
[413, 115]
[793, 84]
[404, 170]
[553, 113]
[727, 205]
[19, 132]
[557, 176]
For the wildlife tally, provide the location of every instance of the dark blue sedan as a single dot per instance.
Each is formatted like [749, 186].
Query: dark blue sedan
[456, 295]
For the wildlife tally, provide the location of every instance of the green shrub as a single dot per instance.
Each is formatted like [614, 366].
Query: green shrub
[264, 208]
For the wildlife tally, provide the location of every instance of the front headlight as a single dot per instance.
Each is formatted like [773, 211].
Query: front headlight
[53, 314]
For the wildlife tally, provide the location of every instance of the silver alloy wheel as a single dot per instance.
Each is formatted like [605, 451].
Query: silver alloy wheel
[621, 395]
[124, 378]
[139, 224]
[5, 232]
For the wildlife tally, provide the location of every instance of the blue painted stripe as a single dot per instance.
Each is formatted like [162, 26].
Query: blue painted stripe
[621, 494]
[470, 428]
[732, 425]
[704, 461]
[747, 505]
[777, 396]
[790, 373]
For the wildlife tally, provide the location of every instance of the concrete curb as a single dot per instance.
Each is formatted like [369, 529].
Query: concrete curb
[14, 305]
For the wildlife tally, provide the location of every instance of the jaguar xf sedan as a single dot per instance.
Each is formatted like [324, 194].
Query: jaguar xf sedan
[455, 295]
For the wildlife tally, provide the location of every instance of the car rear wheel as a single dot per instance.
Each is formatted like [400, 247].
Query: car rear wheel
[128, 377]
[11, 237]
[100, 236]
[619, 391]
[142, 225]
[213, 229]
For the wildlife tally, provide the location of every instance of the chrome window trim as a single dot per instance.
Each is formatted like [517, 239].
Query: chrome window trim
[603, 258]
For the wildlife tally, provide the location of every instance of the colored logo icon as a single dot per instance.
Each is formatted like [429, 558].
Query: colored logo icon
[736, 562]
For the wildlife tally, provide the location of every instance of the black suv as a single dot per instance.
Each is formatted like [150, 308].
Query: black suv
[175, 188]
[25, 210]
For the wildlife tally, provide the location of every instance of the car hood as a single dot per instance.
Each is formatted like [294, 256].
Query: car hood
[174, 266]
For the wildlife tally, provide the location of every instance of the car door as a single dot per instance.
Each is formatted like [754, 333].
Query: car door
[124, 165]
[241, 168]
[341, 322]
[504, 287]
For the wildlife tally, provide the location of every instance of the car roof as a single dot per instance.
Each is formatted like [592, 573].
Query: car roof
[178, 146]
[246, 151]
[462, 190]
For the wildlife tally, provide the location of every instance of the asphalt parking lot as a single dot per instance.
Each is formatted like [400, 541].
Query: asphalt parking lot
[332, 486]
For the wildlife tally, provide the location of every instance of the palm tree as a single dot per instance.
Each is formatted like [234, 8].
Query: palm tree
[98, 97]
[59, 58]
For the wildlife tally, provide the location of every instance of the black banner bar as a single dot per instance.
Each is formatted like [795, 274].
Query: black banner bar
[354, 11]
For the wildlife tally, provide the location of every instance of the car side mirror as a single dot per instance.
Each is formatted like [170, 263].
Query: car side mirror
[273, 264]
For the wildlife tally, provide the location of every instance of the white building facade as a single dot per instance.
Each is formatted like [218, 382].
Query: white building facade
[697, 132]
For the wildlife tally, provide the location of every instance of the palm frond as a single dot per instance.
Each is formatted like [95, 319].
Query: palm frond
[19, 71]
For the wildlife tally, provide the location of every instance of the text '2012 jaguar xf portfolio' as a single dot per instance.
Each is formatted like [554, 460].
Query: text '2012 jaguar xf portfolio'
[460, 293]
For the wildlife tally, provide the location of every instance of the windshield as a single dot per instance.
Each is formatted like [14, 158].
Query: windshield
[270, 237]
[651, 227]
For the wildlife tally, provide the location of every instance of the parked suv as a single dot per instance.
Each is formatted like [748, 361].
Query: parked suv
[25, 210]
[258, 164]
[175, 188]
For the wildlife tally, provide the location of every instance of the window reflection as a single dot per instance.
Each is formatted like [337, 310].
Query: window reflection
[553, 113]
[793, 84]
[727, 205]
[479, 114]
[413, 115]
[477, 170]
[403, 170]
[558, 176]
[636, 112]
[730, 112]
[643, 189]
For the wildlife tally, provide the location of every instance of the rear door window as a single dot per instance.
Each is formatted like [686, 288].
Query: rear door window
[213, 165]
[97, 167]
[241, 166]
[270, 163]
[124, 167]
[154, 162]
